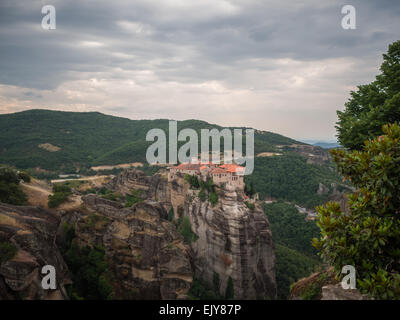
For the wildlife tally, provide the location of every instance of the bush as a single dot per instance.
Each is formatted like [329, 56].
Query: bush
[10, 191]
[202, 195]
[7, 251]
[367, 238]
[250, 205]
[24, 176]
[171, 214]
[88, 268]
[213, 198]
[134, 197]
[229, 292]
[192, 180]
[185, 229]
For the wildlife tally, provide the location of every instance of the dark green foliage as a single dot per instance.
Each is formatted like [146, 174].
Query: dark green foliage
[372, 105]
[185, 229]
[249, 189]
[201, 290]
[216, 282]
[171, 214]
[88, 269]
[24, 176]
[90, 138]
[202, 195]
[108, 194]
[289, 227]
[213, 198]
[134, 197]
[229, 292]
[60, 195]
[289, 177]
[250, 205]
[192, 180]
[367, 238]
[10, 191]
[291, 265]
[7, 251]
[292, 235]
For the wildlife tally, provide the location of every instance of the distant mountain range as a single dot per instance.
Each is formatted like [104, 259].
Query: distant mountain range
[326, 144]
[56, 140]
[48, 143]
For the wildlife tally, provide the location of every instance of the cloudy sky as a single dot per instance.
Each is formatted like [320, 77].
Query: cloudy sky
[281, 66]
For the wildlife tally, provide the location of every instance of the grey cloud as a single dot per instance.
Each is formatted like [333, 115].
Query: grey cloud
[36, 58]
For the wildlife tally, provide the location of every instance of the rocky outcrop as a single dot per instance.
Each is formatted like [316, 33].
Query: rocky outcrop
[233, 241]
[336, 292]
[323, 286]
[146, 254]
[154, 187]
[31, 233]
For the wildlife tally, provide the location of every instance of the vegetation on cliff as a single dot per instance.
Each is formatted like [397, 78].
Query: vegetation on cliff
[289, 177]
[368, 237]
[61, 192]
[292, 235]
[10, 191]
[372, 105]
[7, 251]
[89, 138]
[88, 269]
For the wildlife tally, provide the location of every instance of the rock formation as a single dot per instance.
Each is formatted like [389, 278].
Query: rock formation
[233, 240]
[31, 231]
[146, 254]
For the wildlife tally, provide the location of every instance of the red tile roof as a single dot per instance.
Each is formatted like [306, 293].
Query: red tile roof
[218, 171]
[233, 168]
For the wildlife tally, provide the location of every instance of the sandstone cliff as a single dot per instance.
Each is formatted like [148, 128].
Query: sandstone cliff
[146, 255]
[31, 231]
[233, 240]
[323, 285]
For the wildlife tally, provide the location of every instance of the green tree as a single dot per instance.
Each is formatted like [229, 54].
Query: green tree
[213, 197]
[10, 191]
[369, 236]
[202, 195]
[372, 105]
[171, 214]
[216, 281]
[229, 292]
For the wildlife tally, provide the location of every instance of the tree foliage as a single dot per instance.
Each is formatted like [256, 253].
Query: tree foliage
[61, 192]
[372, 105]
[369, 236]
[10, 191]
[290, 177]
[229, 291]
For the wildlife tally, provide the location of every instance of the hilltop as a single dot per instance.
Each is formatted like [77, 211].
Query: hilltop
[59, 140]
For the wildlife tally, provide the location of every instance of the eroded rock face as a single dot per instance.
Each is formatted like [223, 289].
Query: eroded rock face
[235, 242]
[336, 292]
[146, 254]
[32, 231]
[154, 187]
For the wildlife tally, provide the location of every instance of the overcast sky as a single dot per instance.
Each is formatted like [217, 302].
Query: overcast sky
[281, 66]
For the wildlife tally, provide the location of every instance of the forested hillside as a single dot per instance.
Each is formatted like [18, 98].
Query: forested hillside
[88, 138]
[56, 142]
[292, 234]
